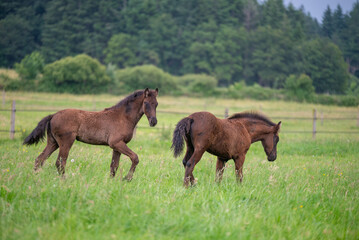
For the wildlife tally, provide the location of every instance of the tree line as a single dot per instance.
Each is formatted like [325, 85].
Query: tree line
[231, 40]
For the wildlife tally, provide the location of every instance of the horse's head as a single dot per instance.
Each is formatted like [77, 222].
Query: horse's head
[149, 105]
[270, 141]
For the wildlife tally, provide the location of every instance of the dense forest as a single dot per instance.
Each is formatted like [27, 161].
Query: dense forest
[232, 41]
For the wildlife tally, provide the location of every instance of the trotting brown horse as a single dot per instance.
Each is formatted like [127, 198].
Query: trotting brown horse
[226, 138]
[113, 127]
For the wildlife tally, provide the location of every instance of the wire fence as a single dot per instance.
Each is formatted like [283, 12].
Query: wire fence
[313, 118]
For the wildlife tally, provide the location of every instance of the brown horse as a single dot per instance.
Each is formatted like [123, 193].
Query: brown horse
[226, 138]
[112, 127]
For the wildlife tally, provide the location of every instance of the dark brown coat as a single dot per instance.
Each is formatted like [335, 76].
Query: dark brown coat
[226, 138]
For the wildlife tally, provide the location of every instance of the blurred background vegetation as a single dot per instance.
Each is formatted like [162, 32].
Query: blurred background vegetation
[225, 48]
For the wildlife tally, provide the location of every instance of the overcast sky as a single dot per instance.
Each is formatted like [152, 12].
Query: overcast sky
[316, 8]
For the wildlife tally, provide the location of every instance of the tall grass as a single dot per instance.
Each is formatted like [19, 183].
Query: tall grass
[309, 192]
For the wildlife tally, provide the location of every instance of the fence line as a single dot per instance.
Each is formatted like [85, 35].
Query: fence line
[188, 113]
[314, 131]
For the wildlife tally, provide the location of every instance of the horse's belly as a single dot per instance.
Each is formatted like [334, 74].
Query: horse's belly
[94, 141]
[219, 152]
[92, 136]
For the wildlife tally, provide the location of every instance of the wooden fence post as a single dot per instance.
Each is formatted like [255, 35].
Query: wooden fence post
[12, 127]
[226, 113]
[314, 122]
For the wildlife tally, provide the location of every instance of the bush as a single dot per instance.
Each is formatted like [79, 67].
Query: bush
[141, 77]
[240, 90]
[29, 69]
[299, 88]
[9, 80]
[198, 84]
[235, 90]
[80, 74]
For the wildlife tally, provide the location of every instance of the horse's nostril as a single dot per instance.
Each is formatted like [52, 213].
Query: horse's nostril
[153, 122]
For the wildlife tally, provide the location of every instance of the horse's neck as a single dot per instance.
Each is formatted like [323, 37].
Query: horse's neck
[132, 112]
[256, 130]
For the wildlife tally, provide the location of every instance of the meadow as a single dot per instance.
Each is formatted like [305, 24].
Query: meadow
[310, 192]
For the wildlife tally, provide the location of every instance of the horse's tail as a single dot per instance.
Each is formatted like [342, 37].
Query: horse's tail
[38, 133]
[181, 132]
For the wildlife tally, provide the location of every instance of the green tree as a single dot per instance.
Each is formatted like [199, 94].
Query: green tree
[271, 57]
[327, 25]
[324, 64]
[351, 49]
[273, 13]
[16, 40]
[73, 27]
[121, 50]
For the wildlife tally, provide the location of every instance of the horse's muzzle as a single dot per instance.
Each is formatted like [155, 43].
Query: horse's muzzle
[152, 121]
[272, 157]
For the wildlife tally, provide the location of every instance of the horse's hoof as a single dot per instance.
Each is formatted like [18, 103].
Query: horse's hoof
[128, 179]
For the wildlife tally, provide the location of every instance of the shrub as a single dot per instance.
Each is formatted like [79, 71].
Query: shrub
[198, 84]
[258, 92]
[299, 88]
[141, 77]
[9, 80]
[80, 74]
[235, 90]
[29, 69]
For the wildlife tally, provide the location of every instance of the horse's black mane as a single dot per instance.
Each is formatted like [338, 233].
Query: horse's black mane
[252, 115]
[127, 100]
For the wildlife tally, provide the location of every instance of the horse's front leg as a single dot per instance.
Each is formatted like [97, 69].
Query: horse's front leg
[238, 161]
[121, 147]
[115, 162]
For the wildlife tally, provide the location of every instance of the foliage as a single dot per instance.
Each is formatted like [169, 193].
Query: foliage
[79, 74]
[261, 42]
[323, 63]
[29, 69]
[197, 84]
[299, 88]
[9, 79]
[121, 51]
[353, 89]
[141, 77]
[16, 40]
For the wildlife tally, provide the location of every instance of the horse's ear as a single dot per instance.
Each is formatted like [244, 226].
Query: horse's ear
[146, 92]
[156, 91]
[277, 127]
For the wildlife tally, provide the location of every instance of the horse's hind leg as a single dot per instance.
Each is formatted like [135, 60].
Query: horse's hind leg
[65, 145]
[189, 153]
[121, 147]
[191, 163]
[49, 149]
[115, 162]
[220, 169]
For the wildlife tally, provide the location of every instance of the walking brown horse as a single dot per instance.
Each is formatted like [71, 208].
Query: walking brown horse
[226, 138]
[112, 127]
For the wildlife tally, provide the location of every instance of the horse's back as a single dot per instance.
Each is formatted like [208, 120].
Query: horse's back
[218, 136]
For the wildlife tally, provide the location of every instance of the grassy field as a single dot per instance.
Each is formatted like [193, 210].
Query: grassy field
[310, 192]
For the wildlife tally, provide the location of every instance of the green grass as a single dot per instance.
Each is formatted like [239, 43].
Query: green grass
[309, 192]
